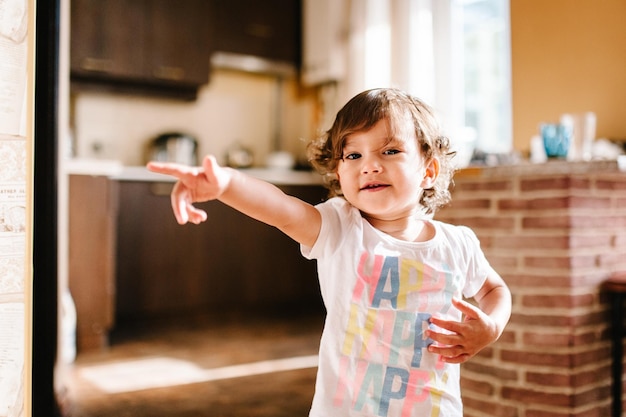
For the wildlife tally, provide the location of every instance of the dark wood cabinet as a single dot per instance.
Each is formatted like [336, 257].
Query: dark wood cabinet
[130, 261]
[268, 28]
[141, 43]
[92, 240]
[179, 32]
[104, 38]
[229, 264]
[165, 46]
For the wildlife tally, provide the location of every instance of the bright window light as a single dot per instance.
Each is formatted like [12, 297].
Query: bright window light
[486, 68]
[159, 372]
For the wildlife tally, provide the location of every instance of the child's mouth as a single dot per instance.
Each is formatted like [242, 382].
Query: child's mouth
[373, 187]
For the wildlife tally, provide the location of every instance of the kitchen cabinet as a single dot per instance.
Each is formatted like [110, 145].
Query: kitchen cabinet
[130, 261]
[267, 29]
[229, 264]
[179, 36]
[152, 45]
[324, 31]
[92, 240]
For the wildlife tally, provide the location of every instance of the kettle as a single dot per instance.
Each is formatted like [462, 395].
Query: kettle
[174, 147]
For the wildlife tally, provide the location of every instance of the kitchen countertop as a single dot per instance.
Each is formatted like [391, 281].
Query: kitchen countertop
[89, 166]
[116, 171]
[275, 176]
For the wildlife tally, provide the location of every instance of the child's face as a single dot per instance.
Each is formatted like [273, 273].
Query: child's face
[383, 175]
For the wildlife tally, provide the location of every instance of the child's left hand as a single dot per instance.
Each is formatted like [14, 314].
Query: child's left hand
[476, 331]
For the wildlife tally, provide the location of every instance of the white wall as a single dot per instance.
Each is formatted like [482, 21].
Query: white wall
[233, 107]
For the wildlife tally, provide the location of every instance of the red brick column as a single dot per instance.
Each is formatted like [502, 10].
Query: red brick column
[554, 232]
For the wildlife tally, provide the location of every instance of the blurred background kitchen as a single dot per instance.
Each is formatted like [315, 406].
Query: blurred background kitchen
[268, 77]
[251, 82]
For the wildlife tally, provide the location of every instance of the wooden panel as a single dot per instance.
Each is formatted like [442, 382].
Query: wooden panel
[92, 207]
[269, 28]
[228, 263]
[143, 46]
[105, 36]
[179, 37]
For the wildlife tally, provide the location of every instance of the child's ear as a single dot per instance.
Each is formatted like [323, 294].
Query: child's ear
[431, 173]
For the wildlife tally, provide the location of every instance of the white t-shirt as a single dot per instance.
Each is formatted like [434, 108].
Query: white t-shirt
[379, 294]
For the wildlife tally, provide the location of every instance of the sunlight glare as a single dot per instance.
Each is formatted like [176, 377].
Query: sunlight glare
[160, 372]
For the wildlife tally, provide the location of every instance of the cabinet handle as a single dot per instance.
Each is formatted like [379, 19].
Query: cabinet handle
[169, 73]
[97, 64]
[161, 189]
[259, 30]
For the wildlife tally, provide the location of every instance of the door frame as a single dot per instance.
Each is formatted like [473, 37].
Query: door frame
[45, 210]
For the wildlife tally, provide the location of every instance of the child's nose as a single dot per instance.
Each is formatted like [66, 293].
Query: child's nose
[371, 164]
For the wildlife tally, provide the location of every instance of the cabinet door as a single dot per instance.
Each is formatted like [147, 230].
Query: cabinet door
[92, 235]
[230, 263]
[179, 41]
[324, 25]
[107, 38]
[268, 29]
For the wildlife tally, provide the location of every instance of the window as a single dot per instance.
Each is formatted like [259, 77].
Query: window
[486, 91]
[455, 54]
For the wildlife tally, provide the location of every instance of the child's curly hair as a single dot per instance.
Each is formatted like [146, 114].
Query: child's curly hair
[361, 113]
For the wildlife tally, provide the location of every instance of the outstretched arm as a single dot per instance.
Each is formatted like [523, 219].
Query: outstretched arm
[255, 198]
[481, 326]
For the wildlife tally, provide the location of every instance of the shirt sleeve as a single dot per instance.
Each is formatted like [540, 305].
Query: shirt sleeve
[332, 212]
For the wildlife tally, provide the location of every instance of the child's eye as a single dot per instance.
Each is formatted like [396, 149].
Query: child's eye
[391, 151]
[352, 156]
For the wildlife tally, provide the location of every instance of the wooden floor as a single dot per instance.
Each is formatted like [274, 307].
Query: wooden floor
[226, 367]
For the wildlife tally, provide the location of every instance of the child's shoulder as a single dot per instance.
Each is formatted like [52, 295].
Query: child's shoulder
[455, 231]
[338, 207]
[336, 203]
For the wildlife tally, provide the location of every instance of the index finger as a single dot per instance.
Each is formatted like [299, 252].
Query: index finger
[449, 325]
[170, 168]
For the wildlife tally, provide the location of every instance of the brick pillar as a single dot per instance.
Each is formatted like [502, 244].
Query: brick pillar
[554, 237]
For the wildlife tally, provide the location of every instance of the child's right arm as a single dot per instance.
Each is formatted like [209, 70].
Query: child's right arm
[255, 198]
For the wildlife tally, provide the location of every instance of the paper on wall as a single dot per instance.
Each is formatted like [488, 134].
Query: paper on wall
[13, 68]
[11, 358]
[12, 320]
[12, 239]
[13, 216]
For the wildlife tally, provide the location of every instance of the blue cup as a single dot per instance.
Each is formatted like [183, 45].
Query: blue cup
[556, 139]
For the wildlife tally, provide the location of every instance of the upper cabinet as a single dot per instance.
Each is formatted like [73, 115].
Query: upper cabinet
[99, 38]
[179, 34]
[324, 28]
[267, 29]
[166, 46]
[153, 45]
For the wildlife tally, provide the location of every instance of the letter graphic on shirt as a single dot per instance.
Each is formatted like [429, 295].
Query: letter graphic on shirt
[384, 365]
[379, 346]
[371, 387]
[389, 274]
[421, 342]
[370, 279]
[412, 276]
[423, 385]
[357, 332]
[345, 391]
[403, 334]
[342, 382]
[388, 393]
[436, 395]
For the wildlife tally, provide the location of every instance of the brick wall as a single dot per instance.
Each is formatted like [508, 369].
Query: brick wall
[554, 232]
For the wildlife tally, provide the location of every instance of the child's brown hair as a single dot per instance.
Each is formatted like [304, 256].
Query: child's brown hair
[361, 113]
